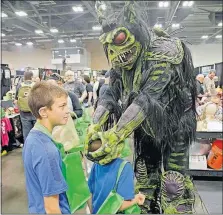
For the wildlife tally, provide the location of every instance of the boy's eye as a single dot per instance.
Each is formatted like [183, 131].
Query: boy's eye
[120, 38]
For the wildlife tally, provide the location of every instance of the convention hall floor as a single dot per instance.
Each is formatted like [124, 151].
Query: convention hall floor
[14, 198]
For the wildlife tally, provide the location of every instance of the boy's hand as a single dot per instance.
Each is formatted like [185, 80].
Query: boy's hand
[140, 198]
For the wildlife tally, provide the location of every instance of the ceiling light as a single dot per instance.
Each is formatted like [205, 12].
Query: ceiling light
[103, 7]
[185, 3]
[54, 30]
[72, 40]
[96, 28]
[21, 13]
[175, 25]
[77, 8]
[220, 24]
[158, 25]
[18, 44]
[218, 36]
[190, 3]
[166, 4]
[204, 37]
[39, 31]
[4, 15]
[60, 41]
[3, 35]
[29, 43]
[163, 4]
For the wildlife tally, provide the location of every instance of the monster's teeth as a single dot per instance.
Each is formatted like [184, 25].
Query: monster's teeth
[120, 59]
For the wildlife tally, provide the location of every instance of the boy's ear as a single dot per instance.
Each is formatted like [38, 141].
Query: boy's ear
[43, 112]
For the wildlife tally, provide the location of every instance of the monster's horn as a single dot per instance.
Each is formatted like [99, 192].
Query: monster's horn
[129, 12]
[106, 16]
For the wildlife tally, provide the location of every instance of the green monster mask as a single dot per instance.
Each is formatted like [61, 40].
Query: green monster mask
[124, 36]
[121, 48]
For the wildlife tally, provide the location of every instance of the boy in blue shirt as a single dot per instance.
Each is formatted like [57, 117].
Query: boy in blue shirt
[102, 180]
[45, 184]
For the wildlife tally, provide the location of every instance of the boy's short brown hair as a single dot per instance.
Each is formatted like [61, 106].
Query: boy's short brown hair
[43, 94]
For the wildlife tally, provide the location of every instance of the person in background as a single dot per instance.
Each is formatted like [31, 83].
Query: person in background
[216, 81]
[21, 100]
[36, 79]
[88, 100]
[45, 184]
[209, 84]
[105, 86]
[200, 89]
[75, 86]
[72, 101]
[97, 86]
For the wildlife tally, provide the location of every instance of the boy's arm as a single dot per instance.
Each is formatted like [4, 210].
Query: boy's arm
[139, 199]
[127, 204]
[51, 204]
[46, 165]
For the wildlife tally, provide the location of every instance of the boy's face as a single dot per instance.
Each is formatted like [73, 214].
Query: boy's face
[59, 112]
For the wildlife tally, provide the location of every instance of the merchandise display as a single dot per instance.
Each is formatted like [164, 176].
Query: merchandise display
[111, 107]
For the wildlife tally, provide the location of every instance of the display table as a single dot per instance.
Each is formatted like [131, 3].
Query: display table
[209, 135]
[208, 172]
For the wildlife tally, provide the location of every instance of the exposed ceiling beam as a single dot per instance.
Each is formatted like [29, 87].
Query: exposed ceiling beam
[216, 33]
[90, 8]
[171, 13]
[76, 17]
[85, 31]
[30, 22]
[36, 11]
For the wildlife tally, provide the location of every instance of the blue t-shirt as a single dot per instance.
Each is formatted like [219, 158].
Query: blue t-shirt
[102, 180]
[43, 172]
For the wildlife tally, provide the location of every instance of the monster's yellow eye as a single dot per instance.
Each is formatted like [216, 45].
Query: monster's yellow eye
[120, 37]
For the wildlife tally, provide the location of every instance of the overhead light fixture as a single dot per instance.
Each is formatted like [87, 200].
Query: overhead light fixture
[18, 44]
[166, 4]
[73, 40]
[175, 25]
[96, 28]
[158, 25]
[103, 7]
[54, 30]
[218, 36]
[163, 4]
[204, 37]
[3, 15]
[77, 8]
[188, 3]
[220, 24]
[3, 34]
[21, 13]
[38, 31]
[29, 43]
[60, 41]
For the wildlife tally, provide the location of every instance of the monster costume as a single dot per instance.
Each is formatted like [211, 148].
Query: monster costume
[155, 72]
